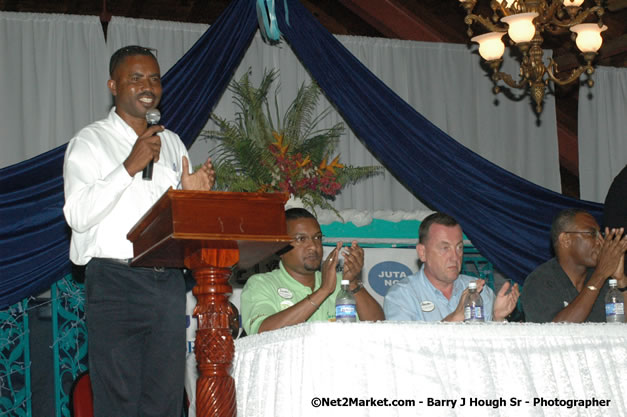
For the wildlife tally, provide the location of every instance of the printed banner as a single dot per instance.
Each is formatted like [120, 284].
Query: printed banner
[383, 267]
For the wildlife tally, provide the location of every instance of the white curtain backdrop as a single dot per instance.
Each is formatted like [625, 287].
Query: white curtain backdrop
[170, 39]
[442, 81]
[602, 126]
[53, 73]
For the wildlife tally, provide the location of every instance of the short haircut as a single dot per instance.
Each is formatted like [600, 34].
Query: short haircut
[121, 54]
[294, 213]
[298, 213]
[561, 223]
[435, 218]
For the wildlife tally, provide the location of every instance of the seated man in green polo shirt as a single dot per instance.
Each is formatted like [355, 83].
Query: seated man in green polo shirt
[304, 288]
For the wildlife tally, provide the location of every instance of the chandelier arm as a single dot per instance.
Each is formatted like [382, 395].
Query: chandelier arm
[484, 22]
[581, 17]
[574, 74]
[468, 5]
[507, 79]
[549, 15]
[498, 6]
[554, 30]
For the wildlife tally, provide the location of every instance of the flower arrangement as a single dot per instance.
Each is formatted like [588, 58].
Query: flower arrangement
[260, 153]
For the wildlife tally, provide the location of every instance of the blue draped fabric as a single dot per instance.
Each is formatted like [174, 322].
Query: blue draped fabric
[506, 217]
[34, 237]
[193, 86]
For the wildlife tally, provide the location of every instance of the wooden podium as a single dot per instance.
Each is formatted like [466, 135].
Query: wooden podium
[209, 232]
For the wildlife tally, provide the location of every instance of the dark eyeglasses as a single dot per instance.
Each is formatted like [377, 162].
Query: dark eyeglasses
[592, 233]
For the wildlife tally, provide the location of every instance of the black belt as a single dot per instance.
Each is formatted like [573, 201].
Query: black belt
[127, 262]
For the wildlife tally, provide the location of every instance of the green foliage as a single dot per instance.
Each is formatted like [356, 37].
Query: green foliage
[257, 152]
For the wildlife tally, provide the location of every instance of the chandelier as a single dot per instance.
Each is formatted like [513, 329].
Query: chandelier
[525, 22]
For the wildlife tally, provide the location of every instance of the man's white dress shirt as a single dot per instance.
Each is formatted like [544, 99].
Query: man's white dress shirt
[102, 201]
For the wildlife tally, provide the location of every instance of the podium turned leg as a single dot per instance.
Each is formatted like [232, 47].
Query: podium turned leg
[215, 388]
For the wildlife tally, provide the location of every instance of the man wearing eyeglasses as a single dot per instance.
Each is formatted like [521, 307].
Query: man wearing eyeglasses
[304, 288]
[571, 287]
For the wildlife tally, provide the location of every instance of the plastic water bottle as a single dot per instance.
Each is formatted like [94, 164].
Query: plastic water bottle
[614, 304]
[473, 308]
[345, 309]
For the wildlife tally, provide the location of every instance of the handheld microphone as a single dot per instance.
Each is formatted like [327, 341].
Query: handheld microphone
[152, 117]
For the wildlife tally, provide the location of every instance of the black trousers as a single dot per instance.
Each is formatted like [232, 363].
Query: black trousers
[136, 331]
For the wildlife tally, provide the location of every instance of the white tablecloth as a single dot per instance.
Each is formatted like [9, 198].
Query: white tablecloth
[496, 369]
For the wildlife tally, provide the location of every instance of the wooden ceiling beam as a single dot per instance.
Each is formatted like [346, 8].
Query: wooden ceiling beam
[614, 48]
[329, 22]
[393, 20]
[616, 5]
[568, 147]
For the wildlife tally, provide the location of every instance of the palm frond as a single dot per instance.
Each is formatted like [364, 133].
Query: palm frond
[300, 112]
[351, 175]
[287, 153]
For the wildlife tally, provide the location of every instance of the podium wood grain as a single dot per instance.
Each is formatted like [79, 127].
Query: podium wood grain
[209, 232]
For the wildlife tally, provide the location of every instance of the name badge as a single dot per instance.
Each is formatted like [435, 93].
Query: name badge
[285, 293]
[427, 306]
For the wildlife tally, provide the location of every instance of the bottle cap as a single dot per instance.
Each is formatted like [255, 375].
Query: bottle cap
[612, 282]
[472, 285]
[345, 282]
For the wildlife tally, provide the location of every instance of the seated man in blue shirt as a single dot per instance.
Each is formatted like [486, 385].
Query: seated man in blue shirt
[438, 291]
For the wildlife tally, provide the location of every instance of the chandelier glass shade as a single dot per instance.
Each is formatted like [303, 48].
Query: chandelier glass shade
[526, 22]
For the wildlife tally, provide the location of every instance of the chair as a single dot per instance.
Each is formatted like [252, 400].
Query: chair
[81, 397]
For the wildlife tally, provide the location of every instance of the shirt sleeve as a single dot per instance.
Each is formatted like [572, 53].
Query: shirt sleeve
[256, 304]
[89, 195]
[398, 305]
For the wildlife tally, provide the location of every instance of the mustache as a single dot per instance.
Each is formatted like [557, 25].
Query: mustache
[147, 94]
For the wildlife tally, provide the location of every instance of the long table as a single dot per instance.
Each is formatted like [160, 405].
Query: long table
[433, 369]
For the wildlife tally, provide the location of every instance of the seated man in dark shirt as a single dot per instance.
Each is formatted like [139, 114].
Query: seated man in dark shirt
[615, 207]
[571, 287]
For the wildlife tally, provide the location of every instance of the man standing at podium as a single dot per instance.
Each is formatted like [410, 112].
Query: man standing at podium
[303, 288]
[135, 316]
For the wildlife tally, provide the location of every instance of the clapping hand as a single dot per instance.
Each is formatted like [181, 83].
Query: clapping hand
[329, 276]
[505, 302]
[353, 261]
[203, 179]
[612, 251]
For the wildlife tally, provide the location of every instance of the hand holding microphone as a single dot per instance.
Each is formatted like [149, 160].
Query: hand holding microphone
[152, 117]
